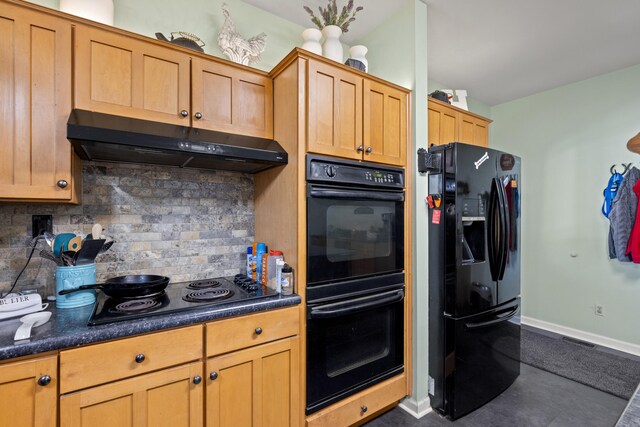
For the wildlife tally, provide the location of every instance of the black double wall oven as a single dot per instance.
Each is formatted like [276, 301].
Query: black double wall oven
[355, 277]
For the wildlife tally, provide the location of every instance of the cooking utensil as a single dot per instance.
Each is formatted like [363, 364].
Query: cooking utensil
[47, 254]
[49, 238]
[61, 242]
[75, 244]
[29, 321]
[68, 257]
[89, 251]
[127, 287]
[96, 231]
[106, 246]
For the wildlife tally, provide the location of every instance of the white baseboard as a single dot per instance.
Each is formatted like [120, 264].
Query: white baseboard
[415, 408]
[627, 347]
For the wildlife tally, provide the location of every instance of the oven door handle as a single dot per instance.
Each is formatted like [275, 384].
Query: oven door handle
[331, 193]
[361, 304]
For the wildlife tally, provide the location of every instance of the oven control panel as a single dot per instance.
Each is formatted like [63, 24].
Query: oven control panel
[346, 172]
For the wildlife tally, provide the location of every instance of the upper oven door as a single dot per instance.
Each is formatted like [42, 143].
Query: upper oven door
[353, 232]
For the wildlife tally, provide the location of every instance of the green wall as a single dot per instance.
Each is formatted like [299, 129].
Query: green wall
[568, 138]
[204, 18]
[398, 53]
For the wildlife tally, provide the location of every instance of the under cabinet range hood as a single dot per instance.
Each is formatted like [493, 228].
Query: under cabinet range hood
[105, 137]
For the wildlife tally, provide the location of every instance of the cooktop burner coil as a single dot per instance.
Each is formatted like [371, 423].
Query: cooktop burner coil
[204, 284]
[207, 295]
[136, 306]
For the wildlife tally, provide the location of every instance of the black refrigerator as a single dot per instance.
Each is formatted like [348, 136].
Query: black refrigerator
[474, 275]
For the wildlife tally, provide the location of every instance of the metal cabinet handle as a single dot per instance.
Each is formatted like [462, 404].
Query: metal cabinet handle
[368, 150]
[44, 380]
[364, 408]
[184, 113]
[213, 376]
[140, 358]
[197, 379]
[258, 330]
[62, 183]
[360, 148]
[198, 115]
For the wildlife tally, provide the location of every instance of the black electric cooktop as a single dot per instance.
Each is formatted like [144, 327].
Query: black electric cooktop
[178, 297]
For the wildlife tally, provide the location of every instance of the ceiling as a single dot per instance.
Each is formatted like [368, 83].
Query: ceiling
[500, 50]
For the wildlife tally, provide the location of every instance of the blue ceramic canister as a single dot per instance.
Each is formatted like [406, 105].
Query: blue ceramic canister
[72, 277]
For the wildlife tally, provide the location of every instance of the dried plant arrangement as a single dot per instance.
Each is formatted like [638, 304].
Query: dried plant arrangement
[329, 15]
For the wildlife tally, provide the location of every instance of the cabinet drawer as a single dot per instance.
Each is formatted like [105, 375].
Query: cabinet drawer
[360, 406]
[101, 363]
[233, 334]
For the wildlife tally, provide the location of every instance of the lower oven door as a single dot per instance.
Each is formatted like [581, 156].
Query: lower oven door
[353, 344]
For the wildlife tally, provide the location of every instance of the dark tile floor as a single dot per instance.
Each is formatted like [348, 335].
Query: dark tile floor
[537, 398]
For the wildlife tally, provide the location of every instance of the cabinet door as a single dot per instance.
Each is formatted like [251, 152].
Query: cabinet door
[168, 398]
[442, 124]
[256, 387]
[473, 130]
[26, 397]
[125, 76]
[35, 102]
[335, 111]
[385, 124]
[230, 99]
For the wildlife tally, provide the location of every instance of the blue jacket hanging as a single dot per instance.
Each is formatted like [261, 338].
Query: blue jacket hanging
[610, 192]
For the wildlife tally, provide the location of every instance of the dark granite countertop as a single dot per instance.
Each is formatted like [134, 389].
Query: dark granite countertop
[68, 327]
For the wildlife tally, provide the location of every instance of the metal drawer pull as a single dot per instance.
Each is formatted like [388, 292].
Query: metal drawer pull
[44, 380]
[62, 183]
[198, 115]
[184, 113]
[360, 148]
[213, 376]
[363, 408]
[197, 379]
[368, 150]
[140, 358]
[258, 330]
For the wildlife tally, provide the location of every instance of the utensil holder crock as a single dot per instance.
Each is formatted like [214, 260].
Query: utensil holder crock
[70, 278]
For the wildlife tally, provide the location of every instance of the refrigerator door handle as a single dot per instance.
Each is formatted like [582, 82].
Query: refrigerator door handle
[511, 314]
[491, 231]
[504, 227]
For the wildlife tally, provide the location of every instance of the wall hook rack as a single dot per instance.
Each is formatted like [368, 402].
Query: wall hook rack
[626, 166]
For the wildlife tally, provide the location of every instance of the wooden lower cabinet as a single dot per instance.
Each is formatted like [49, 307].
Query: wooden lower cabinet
[170, 397]
[255, 387]
[28, 393]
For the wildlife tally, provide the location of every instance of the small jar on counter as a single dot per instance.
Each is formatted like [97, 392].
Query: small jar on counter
[286, 283]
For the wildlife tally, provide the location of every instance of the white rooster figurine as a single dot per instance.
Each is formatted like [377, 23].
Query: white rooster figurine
[239, 50]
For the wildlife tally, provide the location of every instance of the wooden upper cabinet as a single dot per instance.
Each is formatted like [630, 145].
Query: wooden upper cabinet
[473, 130]
[442, 124]
[451, 124]
[171, 397]
[120, 75]
[28, 393]
[385, 124]
[36, 159]
[334, 111]
[228, 99]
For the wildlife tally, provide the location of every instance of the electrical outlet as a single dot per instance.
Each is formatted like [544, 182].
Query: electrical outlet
[40, 224]
[599, 310]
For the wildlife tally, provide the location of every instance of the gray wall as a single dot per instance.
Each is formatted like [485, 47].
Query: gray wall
[182, 223]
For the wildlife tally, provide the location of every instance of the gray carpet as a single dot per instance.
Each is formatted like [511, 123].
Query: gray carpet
[601, 370]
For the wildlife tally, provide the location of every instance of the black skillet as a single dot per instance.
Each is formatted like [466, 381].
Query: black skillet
[127, 287]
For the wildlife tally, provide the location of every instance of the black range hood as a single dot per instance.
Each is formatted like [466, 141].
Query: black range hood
[104, 137]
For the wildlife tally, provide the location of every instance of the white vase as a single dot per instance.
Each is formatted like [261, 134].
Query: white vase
[96, 10]
[311, 37]
[358, 52]
[332, 48]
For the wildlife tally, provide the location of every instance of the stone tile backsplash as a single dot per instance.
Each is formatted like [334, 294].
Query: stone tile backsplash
[183, 223]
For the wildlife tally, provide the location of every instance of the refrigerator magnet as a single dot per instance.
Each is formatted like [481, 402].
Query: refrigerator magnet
[435, 219]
